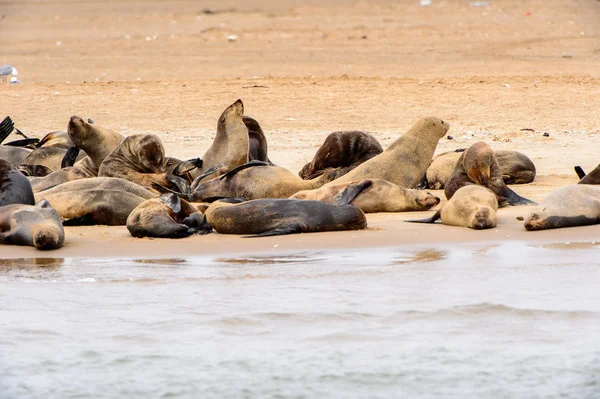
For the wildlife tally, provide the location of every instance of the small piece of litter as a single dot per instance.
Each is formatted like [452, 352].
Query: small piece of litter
[450, 137]
[520, 218]
[546, 134]
[232, 38]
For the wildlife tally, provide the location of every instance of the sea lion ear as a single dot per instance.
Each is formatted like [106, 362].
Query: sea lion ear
[43, 204]
[172, 201]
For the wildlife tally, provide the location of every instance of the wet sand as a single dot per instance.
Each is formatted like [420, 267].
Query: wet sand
[304, 72]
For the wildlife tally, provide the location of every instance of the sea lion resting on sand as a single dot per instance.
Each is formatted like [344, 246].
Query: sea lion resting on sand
[576, 205]
[37, 226]
[516, 168]
[99, 183]
[341, 151]
[376, 195]
[14, 186]
[471, 206]
[478, 165]
[269, 217]
[405, 161]
[591, 178]
[165, 217]
[52, 158]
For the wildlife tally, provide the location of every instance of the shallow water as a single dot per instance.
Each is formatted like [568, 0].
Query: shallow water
[495, 321]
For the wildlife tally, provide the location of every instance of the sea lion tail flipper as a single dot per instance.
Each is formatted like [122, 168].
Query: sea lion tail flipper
[204, 227]
[247, 165]
[172, 201]
[84, 220]
[279, 231]
[431, 219]
[514, 198]
[580, 173]
[352, 191]
[70, 157]
[423, 184]
[6, 128]
[31, 143]
[208, 172]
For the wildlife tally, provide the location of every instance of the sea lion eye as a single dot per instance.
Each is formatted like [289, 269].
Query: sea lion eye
[442, 122]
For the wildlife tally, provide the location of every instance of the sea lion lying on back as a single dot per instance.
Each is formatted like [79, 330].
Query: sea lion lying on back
[37, 226]
[165, 217]
[478, 165]
[342, 151]
[576, 205]
[591, 178]
[471, 206]
[405, 161]
[376, 195]
[14, 186]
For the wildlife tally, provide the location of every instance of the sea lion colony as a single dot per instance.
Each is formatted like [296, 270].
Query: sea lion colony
[89, 175]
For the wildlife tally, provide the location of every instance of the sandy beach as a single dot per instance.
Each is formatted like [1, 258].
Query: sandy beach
[504, 73]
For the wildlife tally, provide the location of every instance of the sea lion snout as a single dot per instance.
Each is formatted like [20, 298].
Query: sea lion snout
[428, 200]
[485, 218]
[47, 237]
[76, 121]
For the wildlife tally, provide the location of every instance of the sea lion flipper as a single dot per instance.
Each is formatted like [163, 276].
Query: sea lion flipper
[187, 166]
[84, 220]
[204, 227]
[20, 133]
[431, 219]
[352, 191]
[31, 143]
[423, 184]
[6, 128]
[70, 157]
[580, 173]
[247, 165]
[208, 172]
[172, 201]
[279, 231]
[514, 198]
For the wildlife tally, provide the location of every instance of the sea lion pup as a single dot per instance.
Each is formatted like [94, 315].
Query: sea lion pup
[258, 147]
[591, 178]
[478, 165]
[376, 196]
[91, 207]
[405, 161]
[99, 183]
[14, 186]
[270, 217]
[471, 206]
[165, 217]
[231, 144]
[342, 151]
[570, 206]
[37, 226]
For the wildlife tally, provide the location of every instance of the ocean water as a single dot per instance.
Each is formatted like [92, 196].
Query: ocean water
[507, 320]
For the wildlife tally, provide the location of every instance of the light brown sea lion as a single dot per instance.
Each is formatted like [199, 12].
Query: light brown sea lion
[342, 151]
[471, 206]
[57, 138]
[14, 186]
[591, 178]
[576, 205]
[165, 217]
[441, 168]
[405, 161]
[231, 144]
[99, 183]
[50, 157]
[376, 196]
[37, 226]
[478, 165]
[269, 217]
[91, 207]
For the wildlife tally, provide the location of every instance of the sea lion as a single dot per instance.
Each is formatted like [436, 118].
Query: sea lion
[37, 226]
[99, 183]
[14, 186]
[591, 178]
[342, 151]
[165, 217]
[478, 165]
[570, 206]
[471, 206]
[91, 207]
[14, 155]
[376, 196]
[231, 144]
[50, 157]
[57, 138]
[270, 217]
[258, 147]
[405, 161]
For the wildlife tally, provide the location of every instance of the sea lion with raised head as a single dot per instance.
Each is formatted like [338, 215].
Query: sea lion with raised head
[471, 206]
[478, 165]
[165, 217]
[570, 206]
[405, 161]
[38, 226]
[14, 186]
[376, 196]
[341, 151]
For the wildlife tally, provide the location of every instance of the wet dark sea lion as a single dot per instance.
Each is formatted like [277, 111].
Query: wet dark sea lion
[570, 206]
[14, 186]
[165, 217]
[471, 206]
[38, 226]
[269, 217]
[478, 165]
[405, 161]
[342, 151]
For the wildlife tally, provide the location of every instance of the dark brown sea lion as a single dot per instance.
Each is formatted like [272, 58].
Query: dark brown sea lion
[576, 205]
[591, 178]
[478, 165]
[471, 206]
[405, 161]
[258, 147]
[342, 151]
[37, 226]
[165, 217]
[14, 186]
[376, 196]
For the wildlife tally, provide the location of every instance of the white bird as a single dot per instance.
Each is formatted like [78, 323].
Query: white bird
[6, 70]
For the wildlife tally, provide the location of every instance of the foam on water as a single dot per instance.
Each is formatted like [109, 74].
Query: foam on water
[501, 320]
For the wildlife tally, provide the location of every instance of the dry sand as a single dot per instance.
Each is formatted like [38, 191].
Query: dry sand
[168, 68]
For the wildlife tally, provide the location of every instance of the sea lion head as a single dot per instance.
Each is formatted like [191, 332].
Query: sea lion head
[151, 153]
[433, 126]
[537, 220]
[232, 115]
[46, 236]
[477, 163]
[79, 131]
[484, 218]
[424, 200]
